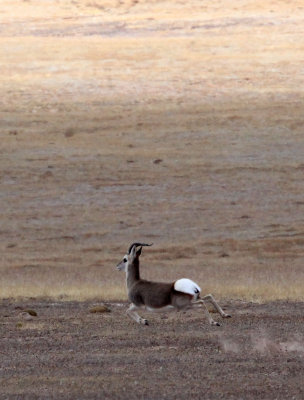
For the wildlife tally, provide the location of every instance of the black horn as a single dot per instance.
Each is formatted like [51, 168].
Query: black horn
[136, 245]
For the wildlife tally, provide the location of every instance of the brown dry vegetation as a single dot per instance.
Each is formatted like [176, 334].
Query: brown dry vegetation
[174, 122]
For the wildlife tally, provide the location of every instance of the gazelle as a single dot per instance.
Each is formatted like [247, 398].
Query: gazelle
[182, 294]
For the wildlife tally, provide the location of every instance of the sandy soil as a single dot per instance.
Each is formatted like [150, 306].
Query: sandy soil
[174, 122]
[177, 123]
[67, 352]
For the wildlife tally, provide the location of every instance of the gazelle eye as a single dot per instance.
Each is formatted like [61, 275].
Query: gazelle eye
[125, 259]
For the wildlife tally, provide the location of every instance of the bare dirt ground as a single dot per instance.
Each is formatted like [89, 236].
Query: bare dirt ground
[66, 352]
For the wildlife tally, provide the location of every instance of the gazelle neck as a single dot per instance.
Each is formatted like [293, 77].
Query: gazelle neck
[133, 273]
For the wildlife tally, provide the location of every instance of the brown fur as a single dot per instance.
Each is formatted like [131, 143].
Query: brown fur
[152, 294]
[142, 293]
[157, 295]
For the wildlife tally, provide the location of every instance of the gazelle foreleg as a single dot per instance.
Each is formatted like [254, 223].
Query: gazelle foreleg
[211, 300]
[133, 314]
[201, 303]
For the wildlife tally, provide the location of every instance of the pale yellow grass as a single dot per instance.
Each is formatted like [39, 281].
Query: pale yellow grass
[259, 292]
[227, 278]
[64, 292]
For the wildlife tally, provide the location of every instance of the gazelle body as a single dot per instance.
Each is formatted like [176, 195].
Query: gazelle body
[183, 294]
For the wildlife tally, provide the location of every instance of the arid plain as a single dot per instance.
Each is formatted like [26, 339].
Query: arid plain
[178, 123]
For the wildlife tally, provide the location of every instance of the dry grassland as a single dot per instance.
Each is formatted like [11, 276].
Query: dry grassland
[171, 122]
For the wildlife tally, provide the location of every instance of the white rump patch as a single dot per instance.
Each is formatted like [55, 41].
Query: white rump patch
[187, 286]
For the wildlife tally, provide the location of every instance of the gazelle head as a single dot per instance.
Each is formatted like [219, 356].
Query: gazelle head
[133, 252]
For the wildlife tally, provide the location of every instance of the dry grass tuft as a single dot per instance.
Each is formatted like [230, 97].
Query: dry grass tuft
[99, 309]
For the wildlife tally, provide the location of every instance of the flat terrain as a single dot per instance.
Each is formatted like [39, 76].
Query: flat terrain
[178, 123]
[66, 352]
[171, 122]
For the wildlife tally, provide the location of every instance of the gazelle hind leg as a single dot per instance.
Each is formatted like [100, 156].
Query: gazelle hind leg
[201, 303]
[218, 308]
[133, 314]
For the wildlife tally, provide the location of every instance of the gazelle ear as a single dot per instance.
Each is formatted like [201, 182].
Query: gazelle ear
[133, 251]
[138, 253]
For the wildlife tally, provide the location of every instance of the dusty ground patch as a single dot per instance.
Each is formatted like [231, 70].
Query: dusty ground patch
[67, 352]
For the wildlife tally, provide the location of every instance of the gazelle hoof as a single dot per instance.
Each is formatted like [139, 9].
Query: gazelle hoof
[214, 323]
[226, 316]
[144, 322]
